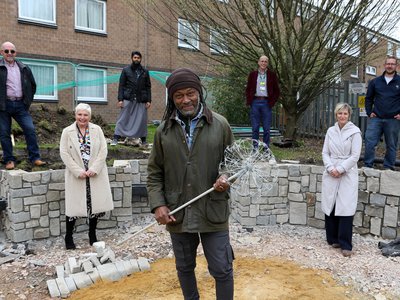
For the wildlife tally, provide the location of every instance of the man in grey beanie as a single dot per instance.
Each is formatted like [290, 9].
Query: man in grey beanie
[184, 162]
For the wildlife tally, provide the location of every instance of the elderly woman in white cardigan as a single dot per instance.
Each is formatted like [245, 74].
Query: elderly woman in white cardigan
[83, 149]
[341, 151]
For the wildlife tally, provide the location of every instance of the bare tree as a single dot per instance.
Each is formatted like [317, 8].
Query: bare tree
[309, 43]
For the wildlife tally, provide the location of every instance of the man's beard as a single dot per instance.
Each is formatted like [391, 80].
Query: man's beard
[190, 114]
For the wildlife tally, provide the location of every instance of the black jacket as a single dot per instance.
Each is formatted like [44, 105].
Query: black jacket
[132, 88]
[27, 80]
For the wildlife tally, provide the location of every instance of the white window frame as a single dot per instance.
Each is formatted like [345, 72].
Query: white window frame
[55, 90]
[215, 48]
[224, 1]
[398, 51]
[372, 38]
[390, 48]
[370, 70]
[84, 28]
[34, 19]
[350, 48]
[194, 30]
[355, 74]
[91, 98]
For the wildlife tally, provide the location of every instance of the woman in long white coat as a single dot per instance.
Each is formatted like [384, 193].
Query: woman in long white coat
[341, 151]
[83, 149]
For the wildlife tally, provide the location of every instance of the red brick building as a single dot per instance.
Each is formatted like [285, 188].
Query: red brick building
[77, 48]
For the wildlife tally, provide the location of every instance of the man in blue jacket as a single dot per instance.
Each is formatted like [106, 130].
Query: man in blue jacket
[382, 105]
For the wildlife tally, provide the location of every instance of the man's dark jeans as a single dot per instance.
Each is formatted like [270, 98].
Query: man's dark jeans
[390, 129]
[219, 255]
[17, 111]
[261, 112]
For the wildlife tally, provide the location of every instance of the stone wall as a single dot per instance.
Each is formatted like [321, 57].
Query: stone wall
[36, 201]
[296, 199]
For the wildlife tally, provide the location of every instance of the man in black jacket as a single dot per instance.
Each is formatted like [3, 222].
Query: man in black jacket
[17, 88]
[134, 99]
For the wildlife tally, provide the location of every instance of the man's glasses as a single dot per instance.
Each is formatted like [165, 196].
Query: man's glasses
[9, 51]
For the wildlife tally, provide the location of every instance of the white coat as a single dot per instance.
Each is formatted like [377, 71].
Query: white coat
[341, 150]
[75, 188]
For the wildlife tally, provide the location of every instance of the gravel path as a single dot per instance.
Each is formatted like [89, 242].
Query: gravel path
[367, 269]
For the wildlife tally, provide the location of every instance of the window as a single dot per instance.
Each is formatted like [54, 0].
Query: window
[354, 72]
[390, 48]
[188, 34]
[46, 80]
[38, 11]
[91, 84]
[370, 70]
[352, 45]
[217, 42]
[398, 51]
[224, 1]
[372, 38]
[90, 15]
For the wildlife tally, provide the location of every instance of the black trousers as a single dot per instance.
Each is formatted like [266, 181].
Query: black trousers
[339, 230]
[219, 255]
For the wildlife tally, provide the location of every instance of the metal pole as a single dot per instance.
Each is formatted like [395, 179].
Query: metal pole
[238, 174]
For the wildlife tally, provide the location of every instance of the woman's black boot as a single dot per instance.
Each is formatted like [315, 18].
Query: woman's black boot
[92, 231]
[69, 241]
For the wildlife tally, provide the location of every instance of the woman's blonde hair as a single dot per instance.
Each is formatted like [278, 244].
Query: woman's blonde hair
[341, 106]
[83, 106]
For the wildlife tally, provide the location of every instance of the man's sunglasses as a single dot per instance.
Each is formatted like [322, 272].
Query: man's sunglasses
[9, 51]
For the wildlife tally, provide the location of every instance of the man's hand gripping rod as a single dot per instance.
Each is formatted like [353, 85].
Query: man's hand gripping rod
[238, 174]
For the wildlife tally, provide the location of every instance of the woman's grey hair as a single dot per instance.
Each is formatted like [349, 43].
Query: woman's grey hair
[83, 106]
[341, 106]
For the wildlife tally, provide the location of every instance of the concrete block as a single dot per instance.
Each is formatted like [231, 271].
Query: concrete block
[81, 280]
[60, 271]
[87, 266]
[109, 272]
[63, 287]
[71, 284]
[73, 265]
[128, 267]
[99, 247]
[53, 288]
[135, 265]
[94, 276]
[143, 264]
[95, 261]
[121, 268]
[390, 183]
[108, 255]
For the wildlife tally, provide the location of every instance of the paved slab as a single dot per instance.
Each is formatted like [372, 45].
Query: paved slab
[53, 288]
[71, 284]
[135, 265]
[121, 268]
[94, 276]
[143, 264]
[87, 266]
[95, 261]
[63, 287]
[7, 259]
[73, 265]
[100, 247]
[109, 255]
[128, 267]
[60, 271]
[81, 280]
[109, 272]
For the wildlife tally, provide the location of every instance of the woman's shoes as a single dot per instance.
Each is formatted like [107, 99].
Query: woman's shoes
[347, 253]
[69, 242]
